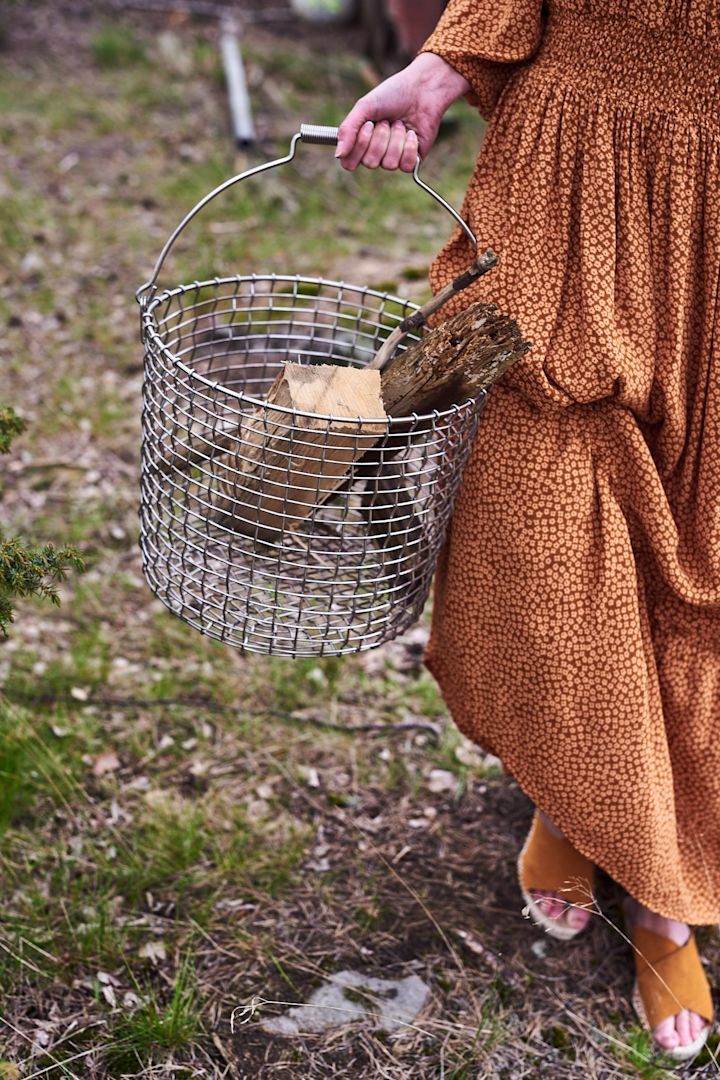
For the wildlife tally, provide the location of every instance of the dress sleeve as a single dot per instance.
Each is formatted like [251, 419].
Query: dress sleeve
[483, 39]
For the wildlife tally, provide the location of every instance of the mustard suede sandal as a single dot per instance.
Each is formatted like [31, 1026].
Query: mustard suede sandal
[669, 978]
[550, 863]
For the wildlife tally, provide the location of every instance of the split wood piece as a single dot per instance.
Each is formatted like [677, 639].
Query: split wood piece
[452, 364]
[285, 463]
[197, 443]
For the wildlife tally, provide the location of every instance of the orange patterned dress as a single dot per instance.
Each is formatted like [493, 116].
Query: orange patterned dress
[576, 610]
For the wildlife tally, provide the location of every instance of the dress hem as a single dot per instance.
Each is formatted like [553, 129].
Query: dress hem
[529, 790]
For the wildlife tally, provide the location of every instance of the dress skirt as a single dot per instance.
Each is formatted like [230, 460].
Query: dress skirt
[576, 606]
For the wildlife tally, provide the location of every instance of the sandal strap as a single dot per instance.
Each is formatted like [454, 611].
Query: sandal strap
[550, 863]
[670, 977]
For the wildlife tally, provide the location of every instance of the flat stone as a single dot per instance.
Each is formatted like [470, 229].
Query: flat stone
[347, 996]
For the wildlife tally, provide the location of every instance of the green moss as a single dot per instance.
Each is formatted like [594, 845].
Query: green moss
[559, 1038]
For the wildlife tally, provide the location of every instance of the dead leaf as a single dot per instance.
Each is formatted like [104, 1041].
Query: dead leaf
[309, 775]
[257, 809]
[106, 762]
[107, 979]
[319, 866]
[154, 951]
[469, 755]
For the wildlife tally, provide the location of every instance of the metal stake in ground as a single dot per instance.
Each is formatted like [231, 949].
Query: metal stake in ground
[230, 32]
[239, 98]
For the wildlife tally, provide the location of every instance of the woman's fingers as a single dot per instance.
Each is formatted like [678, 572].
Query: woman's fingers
[410, 152]
[395, 146]
[402, 148]
[352, 159]
[349, 131]
[379, 143]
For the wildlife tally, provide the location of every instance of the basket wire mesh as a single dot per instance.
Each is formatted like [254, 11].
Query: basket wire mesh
[328, 544]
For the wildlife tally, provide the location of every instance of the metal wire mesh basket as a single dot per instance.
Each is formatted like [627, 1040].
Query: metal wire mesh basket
[261, 551]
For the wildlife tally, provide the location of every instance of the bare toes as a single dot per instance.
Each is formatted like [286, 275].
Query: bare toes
[549, 904]
[697, 1024]
[577, 918]
[682, 1027]
[665, 1034]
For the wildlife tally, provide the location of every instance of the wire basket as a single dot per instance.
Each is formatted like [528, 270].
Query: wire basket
[258, 550]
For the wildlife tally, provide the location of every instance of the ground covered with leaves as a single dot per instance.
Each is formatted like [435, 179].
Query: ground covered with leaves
[192, 839]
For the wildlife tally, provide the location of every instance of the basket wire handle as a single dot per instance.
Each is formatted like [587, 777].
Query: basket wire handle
[308, 133]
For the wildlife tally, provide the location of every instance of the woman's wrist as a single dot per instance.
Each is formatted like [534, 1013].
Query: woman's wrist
[438, 76]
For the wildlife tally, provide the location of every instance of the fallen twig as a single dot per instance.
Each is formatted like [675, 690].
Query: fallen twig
[23, 697]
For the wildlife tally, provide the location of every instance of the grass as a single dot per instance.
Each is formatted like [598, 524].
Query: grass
[83, 667]
[155, 1027]
[294, 684]
[638, 1054]
[188, 847]
[116, 47]
[39, 760]
[177, 838]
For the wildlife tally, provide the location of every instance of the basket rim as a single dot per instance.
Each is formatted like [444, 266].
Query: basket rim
[150, 327]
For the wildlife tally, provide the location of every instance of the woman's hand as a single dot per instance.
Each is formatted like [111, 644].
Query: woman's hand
[400, 118]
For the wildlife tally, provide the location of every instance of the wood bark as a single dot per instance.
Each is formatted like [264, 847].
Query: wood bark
[477, 269]
[453, 362]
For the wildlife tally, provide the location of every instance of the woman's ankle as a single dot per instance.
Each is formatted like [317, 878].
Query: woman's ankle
[638, 913]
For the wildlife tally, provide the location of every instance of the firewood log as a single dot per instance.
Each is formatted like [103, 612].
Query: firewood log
[285, 465]
[453, 362]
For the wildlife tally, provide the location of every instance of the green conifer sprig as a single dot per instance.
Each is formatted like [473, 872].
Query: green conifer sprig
[27, 570]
